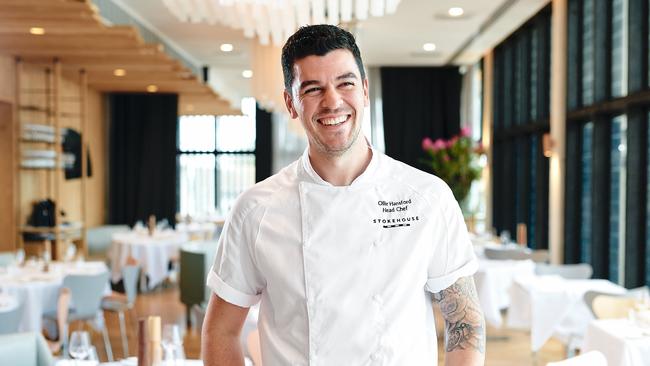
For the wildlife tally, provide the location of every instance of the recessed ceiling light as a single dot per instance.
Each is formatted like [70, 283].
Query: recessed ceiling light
[247, 74]
[152, 88]
[119, 72]
[455, 11]
[429, 47]
[37, 31]
[227, 47]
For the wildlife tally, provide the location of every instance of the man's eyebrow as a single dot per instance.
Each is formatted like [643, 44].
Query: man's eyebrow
[307, 83]
[347, 75]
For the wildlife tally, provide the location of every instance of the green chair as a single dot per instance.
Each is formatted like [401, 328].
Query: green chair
[195, 262]
[25, 349]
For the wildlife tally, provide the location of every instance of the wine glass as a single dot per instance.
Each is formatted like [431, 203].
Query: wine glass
[20, 256]
[79, 347]
[172, 343]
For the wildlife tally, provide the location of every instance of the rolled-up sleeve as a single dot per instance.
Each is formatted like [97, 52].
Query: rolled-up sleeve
[234, 275]
[453, 256]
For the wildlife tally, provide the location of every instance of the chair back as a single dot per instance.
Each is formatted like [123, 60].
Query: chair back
[540, 256]
[130, 276]
[10, 318]
[25, 349]
[581, 271]
[7, 258]
[591, 358]
[507, 253]
[612, 306]
[86, 293]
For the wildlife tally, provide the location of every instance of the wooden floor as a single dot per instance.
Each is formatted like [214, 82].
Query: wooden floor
[504, 347]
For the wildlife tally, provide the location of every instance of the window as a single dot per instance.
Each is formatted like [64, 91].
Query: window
[619, 46]
[587, 178]
[521, 109]
[617, 195]
[587, 52]
[216, 160]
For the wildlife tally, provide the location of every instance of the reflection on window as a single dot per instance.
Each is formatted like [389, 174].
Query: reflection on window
[588, 52]
[585, 201]
[617, 194]
[619, 45]
[216, 160]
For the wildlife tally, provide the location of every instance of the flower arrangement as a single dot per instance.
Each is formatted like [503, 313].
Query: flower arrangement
[455, 161]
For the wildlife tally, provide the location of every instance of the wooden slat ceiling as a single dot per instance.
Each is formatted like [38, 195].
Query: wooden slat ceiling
[75, 35]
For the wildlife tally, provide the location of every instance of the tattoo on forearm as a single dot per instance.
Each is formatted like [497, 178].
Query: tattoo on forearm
[464, 323]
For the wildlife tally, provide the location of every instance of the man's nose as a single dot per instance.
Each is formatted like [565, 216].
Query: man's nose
[331, 98]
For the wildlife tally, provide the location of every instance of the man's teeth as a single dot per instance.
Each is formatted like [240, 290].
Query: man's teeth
[333, 121]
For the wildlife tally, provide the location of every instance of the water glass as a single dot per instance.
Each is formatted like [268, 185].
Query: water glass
[172, 342]
[79, 347]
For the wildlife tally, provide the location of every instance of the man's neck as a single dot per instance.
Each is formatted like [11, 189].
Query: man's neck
[342, 170]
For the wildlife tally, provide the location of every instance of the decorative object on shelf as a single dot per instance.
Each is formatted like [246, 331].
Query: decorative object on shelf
[455, 161]
[276, 20]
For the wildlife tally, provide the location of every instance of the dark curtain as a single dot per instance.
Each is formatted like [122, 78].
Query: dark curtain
[263, 141]
[418, 102]
[142, 153]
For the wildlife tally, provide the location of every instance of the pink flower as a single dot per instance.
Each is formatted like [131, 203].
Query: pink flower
[465, 131]
[439, 144]
[445, 158]
[451, 142]
[427, 144]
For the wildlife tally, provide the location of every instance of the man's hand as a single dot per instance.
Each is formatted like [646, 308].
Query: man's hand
[222, 326]
[464, 323]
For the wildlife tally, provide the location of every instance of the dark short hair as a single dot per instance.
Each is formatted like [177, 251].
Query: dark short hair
[317, 40]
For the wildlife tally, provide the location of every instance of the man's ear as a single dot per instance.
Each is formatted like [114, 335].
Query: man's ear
[366, 96]
[288, 100]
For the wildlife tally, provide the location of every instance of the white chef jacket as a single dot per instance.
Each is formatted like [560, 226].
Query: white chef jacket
[344, 274]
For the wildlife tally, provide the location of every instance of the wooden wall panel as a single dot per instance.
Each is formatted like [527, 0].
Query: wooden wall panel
[7, 79]
[7, 191]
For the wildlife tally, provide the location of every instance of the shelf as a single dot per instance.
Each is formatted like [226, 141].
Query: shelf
[33, 108]
[58, 230]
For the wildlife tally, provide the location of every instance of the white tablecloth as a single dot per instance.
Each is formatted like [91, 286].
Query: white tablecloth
[199, 231]
[493, 281]
[622, 343]
[37, 291]
[153, 253]
[551, 304]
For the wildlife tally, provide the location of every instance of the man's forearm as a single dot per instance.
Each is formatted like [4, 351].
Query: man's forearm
[221, 350]
[464, 323]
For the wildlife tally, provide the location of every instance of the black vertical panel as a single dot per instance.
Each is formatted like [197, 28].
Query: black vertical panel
[523, 180]
[497, 91]
[263, 144]
[508, 73]
[635, 205]
[638, 45]
[572, 194]
[602, 50]
[525, 77]
[541, 187]
[600, 197]
[574, 54]
[497, 186]
[546, 66]
[509, 173]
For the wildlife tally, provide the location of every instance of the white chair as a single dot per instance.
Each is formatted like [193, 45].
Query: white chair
[120, 303]
[86, 297]
[10, 318]
[581, 271]
[591, 358]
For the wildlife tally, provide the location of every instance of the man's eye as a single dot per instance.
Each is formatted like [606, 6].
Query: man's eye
[311, 90]
[347, 84]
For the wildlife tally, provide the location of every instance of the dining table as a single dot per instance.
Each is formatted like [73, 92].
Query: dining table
[36, 286]
[623, 342]
[551, 305]
[153, 252]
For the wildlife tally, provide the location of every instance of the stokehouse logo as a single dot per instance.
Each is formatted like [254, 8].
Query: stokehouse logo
[394, 208]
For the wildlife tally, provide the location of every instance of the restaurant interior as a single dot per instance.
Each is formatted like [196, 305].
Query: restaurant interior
[128, 129]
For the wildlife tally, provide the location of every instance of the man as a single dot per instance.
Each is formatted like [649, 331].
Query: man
[346, 248]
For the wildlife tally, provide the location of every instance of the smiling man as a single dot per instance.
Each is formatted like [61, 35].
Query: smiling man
[347, 249]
